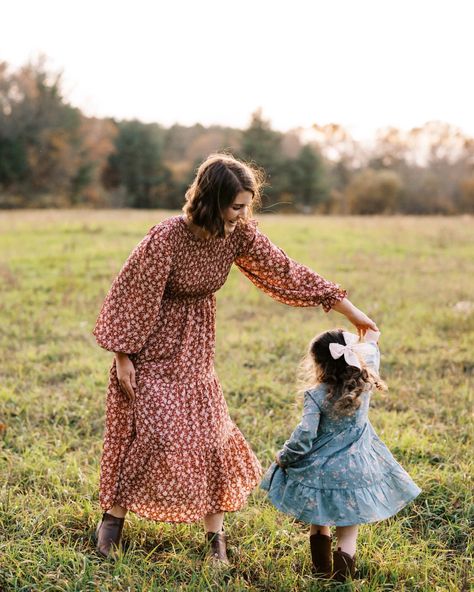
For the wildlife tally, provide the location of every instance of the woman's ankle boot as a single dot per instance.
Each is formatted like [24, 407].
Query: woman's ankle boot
[321, 554]
[217, 547]
[344, 565]
[109, 534]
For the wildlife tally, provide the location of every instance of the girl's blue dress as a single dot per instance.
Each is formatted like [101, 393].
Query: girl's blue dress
[337, 471]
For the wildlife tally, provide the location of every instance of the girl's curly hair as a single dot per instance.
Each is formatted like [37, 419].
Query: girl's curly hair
[345, 383]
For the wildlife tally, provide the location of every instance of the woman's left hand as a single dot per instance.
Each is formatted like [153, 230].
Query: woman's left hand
[277, 460]
[358, 318]
[362, 322]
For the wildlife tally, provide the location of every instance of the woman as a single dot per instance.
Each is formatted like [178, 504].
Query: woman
[171, 452]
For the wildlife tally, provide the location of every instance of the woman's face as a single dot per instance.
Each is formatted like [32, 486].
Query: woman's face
[238, 209]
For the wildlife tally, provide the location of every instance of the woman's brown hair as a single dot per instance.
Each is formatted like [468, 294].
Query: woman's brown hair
[218, 180]
[345, 383]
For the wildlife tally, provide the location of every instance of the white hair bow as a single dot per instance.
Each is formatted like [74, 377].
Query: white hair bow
[352, 345]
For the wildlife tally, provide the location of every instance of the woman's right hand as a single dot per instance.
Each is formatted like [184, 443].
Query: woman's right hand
[126, 375]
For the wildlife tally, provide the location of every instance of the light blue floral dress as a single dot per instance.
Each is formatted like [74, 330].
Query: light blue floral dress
[337, 471]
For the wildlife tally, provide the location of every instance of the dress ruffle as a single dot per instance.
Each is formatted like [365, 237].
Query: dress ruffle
[223, 481]
[180, 456]
[340, 507]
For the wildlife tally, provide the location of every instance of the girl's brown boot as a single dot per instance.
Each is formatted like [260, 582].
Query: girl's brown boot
[321, 554]
[344, 565]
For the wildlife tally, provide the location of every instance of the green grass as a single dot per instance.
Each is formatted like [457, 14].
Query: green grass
[407, 273]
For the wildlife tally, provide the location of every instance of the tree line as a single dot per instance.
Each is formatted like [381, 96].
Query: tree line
[52, 155]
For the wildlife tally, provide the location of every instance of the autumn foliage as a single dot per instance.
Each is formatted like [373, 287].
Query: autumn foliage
[52, 155]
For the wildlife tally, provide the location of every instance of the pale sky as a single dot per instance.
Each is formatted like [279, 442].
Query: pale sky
[365, 64]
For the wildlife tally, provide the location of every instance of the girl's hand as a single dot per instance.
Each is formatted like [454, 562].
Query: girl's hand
[277, 460]
[359, 319]
[126, 375]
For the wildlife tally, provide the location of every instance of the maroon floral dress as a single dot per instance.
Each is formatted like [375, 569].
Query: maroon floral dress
[175, 455]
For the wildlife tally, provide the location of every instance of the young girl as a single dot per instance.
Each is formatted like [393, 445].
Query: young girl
[334, 470]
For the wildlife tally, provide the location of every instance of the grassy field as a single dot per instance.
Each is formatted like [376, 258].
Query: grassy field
[415, 277]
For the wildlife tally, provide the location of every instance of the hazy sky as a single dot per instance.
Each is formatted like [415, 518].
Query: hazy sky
[362, 63]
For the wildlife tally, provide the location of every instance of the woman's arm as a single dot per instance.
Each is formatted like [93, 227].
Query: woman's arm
[284, 279]
[132, 305]
[126, 375]
[359, 319]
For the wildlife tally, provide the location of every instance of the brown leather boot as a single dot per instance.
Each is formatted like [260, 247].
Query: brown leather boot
[109, 534]
[321, 554]
[344, 565]
[217, 550]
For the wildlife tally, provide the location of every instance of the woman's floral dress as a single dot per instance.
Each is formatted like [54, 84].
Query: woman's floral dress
[175, 455]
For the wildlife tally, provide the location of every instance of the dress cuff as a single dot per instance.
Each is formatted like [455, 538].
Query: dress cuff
[281, 463]
[335, 296]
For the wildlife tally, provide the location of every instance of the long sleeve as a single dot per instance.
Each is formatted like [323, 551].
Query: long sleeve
[301, 440]
[282, 278]
[371, 354]
[132, 304]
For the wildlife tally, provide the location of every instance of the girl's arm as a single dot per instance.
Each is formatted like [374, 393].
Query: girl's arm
[371, 354]
[301, 440]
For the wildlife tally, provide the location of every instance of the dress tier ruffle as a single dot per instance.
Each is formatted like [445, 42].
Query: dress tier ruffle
[340, 507]
[175, 455]
[182, 456]
[336, 470]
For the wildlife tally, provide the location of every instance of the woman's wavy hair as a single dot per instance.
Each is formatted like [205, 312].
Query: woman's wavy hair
[345, 383]
[218, 180]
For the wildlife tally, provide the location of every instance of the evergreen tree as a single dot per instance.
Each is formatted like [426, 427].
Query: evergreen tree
[307, 177]
[137, 164]
[262, 145]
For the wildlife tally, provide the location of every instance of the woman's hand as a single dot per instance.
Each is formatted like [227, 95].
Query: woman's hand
[126, 375]
[277, 460]
[359, 319]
